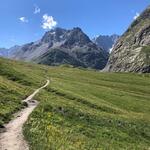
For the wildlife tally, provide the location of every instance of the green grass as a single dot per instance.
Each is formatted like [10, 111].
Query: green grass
[17, 81]
[91, 110]
[83, 109]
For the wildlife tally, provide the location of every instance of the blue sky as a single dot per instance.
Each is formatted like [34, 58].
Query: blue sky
[20, 23]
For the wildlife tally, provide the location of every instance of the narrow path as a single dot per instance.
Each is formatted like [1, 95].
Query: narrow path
[13, 138]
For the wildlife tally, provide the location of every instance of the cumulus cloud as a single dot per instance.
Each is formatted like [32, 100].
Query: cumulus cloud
[36, 9]
[48, 22]
[136, 16]
[23, 19]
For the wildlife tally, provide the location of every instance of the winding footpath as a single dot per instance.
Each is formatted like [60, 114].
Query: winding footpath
[12, 138]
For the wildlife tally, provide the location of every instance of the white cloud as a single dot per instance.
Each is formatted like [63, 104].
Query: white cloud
[37, 9]
[136, 16]
[48, 22]
[23, 19]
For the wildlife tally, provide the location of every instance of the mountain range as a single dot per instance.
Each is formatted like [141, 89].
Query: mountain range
[8, 52]
[130, 52]
[106, 42]
[72, 108]
[60, 46]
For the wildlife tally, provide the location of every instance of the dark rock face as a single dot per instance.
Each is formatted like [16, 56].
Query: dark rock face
[132, 52]
[106, 42]
[60, 46]
[57, 57]
[76, 37]
[55, 35]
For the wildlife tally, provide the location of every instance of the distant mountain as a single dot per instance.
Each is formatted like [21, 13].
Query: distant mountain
[3, 52]
[106, 42]
[132, 52]
[8, 52]
[61, 46]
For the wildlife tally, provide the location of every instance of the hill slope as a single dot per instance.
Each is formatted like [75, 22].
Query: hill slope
[17, 81]
[80, 109]
[132, 51]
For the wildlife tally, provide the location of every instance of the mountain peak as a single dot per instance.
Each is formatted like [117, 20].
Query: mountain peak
[77, 29]
[70, 37]
[76, 37]
[106, 42]
[54, 35]
[61, 46]
[57, 29]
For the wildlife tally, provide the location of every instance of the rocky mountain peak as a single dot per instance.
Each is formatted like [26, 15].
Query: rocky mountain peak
[106, 42]
[76, 37]
[77, 29]
[70, 37]
[54, 35]
[60, 46]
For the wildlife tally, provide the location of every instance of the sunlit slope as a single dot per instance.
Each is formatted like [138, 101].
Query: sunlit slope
[80, 109]
[92, 110]
[17, 80]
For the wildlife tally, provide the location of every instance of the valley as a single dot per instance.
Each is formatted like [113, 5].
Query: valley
[68, 89]
[80, 109]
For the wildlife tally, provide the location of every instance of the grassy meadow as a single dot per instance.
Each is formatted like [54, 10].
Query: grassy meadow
[80, 109]
[17, 81]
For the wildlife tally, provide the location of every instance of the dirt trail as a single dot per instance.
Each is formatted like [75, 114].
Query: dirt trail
[12, 138]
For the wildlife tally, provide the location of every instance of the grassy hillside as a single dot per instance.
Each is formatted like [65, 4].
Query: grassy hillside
[80, 109]
[17, 81]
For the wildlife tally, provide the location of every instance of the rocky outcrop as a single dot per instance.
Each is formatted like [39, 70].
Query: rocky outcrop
[132, 52]
[60, 46]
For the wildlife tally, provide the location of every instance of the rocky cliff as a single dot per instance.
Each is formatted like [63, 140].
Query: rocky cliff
[132, 52]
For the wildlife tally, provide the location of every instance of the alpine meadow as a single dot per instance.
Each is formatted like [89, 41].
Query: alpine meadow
[80, 109]
[64, 88]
